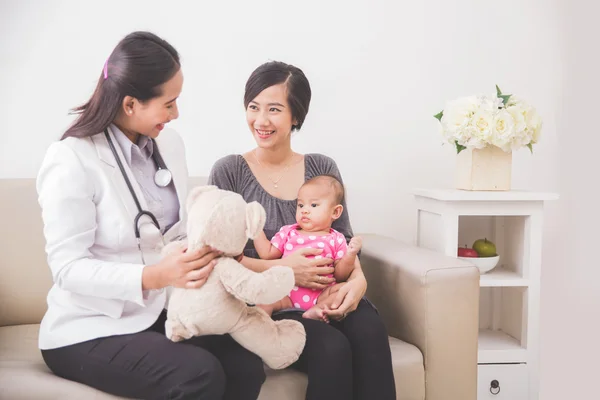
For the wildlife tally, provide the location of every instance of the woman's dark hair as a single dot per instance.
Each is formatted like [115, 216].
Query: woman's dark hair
[274, 73]
[139, 64]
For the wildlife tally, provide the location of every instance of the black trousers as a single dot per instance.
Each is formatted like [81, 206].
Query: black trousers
[347, 360]
[147, 365]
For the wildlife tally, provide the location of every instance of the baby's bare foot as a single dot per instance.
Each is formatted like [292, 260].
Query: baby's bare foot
[316, 313]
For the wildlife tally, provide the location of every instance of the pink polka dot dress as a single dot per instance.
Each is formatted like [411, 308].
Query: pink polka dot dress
[291, 238]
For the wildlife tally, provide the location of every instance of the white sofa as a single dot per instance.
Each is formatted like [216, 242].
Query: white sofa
[428, 301]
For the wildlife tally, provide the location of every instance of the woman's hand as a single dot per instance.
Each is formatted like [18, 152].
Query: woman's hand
[181, 268]
[308, 272]
[346, 297]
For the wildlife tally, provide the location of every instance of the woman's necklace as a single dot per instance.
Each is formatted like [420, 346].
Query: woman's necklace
[276, 181]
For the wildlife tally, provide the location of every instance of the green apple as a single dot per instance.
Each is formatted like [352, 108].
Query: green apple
[484, 248]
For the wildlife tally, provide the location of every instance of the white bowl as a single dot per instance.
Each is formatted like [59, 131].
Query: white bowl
[485, 264]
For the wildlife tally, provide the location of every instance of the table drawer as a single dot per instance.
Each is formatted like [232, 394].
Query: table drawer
[502, 382]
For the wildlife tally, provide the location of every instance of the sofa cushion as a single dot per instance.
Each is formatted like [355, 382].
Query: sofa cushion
[24, 375]
[26, 277]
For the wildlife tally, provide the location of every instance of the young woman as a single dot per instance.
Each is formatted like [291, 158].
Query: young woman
[111, 192]
[350, 357]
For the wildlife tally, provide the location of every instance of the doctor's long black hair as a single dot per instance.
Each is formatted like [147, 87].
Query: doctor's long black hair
[138, 65]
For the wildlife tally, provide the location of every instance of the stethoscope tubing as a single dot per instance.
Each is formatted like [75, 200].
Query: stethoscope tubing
[158, 160]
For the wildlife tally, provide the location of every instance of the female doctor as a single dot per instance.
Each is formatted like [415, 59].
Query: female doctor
[112, 192]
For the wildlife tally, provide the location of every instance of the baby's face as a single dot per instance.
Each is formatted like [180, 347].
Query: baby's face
[316, 207]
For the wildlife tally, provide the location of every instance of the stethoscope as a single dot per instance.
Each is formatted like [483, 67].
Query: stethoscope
[162, 178]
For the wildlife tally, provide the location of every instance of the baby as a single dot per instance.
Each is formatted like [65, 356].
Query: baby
[319, 204]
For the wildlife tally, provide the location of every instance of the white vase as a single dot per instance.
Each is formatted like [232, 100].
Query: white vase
[483, 169]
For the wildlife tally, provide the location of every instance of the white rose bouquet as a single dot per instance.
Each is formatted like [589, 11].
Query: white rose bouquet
[502, 120]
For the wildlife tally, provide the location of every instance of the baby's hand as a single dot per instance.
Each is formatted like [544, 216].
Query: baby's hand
[355, 245]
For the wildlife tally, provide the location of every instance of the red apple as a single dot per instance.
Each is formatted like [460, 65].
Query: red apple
[466, 252]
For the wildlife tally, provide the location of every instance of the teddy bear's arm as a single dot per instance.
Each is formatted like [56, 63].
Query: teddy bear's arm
[254, 287]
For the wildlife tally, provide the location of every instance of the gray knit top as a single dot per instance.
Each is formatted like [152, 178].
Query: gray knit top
[233, 173]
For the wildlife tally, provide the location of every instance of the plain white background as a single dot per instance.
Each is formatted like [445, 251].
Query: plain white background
[379, 71]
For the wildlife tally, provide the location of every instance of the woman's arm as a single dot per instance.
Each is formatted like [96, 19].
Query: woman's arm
[66, 197]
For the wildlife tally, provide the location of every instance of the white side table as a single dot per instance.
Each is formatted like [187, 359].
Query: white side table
[510, 293]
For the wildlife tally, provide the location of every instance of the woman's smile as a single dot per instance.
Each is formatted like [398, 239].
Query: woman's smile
[264, 134]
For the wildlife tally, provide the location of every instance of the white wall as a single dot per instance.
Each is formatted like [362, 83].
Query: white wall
[571, 279]
[379, 71]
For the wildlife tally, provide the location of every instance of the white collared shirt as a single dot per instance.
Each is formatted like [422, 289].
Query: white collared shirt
[162, 202]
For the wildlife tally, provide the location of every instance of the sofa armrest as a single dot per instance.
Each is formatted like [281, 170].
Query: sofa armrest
[431, 301]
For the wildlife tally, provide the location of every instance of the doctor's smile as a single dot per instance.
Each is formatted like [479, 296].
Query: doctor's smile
[120, 178]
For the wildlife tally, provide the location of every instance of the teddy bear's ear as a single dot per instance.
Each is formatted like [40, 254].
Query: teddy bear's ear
[255, 219]
[197, 191]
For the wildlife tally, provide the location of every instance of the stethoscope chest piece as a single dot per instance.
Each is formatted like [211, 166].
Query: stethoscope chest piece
[163, 177]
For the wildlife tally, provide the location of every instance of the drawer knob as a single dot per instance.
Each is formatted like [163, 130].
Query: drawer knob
[494, 387]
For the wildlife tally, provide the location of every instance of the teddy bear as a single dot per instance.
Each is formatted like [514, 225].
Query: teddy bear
[225, 303]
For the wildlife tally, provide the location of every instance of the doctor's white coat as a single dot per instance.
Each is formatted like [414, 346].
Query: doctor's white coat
[88, 215]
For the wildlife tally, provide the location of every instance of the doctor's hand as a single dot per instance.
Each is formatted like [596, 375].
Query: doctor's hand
[181, 268]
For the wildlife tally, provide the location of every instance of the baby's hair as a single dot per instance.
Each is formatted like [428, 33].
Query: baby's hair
[336, 185]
